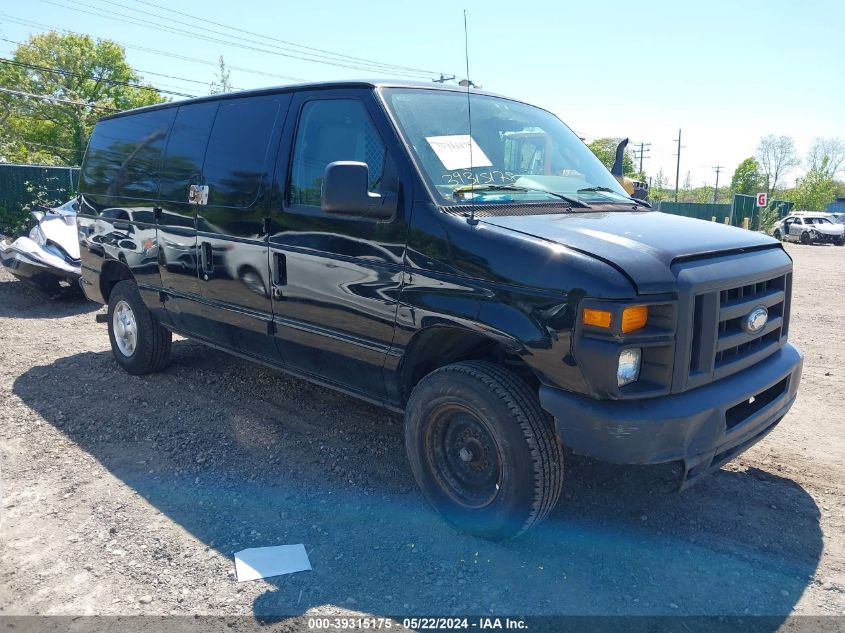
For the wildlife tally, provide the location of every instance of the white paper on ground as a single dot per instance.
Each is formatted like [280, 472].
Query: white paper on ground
[454, 151]
[263, 562]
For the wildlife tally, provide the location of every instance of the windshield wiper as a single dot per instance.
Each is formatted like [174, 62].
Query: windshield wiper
[575, 202]
[609, 190]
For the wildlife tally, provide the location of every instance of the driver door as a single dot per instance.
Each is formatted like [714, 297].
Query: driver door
[336, 278]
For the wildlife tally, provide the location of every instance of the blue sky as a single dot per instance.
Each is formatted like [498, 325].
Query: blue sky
[727, 73]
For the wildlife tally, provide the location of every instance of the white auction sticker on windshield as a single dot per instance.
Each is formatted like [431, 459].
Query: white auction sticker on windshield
[458, 151]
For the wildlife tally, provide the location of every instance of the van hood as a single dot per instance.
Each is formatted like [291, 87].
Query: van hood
[642, 245]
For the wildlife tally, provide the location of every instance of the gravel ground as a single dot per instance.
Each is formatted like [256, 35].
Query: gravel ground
[129, 495]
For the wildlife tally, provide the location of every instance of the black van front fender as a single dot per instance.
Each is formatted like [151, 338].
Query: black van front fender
[443, 320]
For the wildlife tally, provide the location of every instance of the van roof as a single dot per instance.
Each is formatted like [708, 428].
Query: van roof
[322, 85]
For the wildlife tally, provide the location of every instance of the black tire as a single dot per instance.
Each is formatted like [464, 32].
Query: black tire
[777, 235]
[840, 242]
[805, 238]
[504, 473]
[151, 349]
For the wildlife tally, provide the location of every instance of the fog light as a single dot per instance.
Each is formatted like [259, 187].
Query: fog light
[629, 366]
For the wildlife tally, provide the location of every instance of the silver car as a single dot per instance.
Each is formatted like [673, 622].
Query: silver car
[809, 228]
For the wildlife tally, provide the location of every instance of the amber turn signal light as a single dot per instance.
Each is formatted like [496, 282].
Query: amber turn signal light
[634, 318]
[596, 318]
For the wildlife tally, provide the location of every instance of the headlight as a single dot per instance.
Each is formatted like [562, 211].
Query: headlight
[629, 366]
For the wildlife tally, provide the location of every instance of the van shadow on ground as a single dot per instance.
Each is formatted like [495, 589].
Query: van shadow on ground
[23, 300]
[287, 462]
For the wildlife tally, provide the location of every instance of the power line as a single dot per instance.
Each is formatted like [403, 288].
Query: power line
[69, 73]
[204, 20]
[53, 99]
[123, 18]
[644, 149]
[154, 51]
[142, 72]
[717, 169]
[678, 166]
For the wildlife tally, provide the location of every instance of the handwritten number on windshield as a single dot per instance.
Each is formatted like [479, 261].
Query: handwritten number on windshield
[457, 178]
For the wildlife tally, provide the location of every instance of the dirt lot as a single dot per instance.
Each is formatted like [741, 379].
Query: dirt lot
[127, 495]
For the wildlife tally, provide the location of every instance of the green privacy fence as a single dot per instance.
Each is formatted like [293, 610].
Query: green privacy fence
[746, 207]
[25, 185]
[741, 207]
[702, 211]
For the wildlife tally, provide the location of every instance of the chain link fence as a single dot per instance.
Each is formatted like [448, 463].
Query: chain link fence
[26, 187]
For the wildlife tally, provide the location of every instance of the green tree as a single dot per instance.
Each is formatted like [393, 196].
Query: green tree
[605, 151]
[813, 191]
[819, 186]
[777, 157]
[747, 179]
[657, 190]
[703, 194]
[77, 80]
[222, 82]
[826, 156]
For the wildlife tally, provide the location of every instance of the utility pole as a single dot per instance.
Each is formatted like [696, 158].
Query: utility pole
[717, 169]
[640, 153]
[678, 166]
[443, 79]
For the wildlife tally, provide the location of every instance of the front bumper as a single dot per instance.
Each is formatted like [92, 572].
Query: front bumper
[31, 265]
[704, 427]
[825, 238]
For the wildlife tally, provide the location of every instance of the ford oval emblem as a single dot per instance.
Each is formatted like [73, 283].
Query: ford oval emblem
[756, 320]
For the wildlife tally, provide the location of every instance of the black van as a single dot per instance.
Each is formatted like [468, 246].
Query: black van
[487, 276]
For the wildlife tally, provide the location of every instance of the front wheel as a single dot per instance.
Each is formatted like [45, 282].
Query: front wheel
[805, 238]
[139, 344]
[483, 452]
[777, 235]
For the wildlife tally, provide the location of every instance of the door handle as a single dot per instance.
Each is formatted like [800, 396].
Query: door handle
[279, 275]
[206, 260]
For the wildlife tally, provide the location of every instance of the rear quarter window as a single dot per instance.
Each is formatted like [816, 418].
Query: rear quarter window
[124, 155]
[186, 150]
[237, 149]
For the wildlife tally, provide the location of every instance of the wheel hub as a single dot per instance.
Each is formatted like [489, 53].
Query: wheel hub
[125, 328]
[465, 457]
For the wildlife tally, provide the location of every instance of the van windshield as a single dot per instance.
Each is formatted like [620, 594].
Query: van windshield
[516, 153]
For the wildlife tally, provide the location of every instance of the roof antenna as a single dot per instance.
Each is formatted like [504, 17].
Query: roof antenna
[471, 219]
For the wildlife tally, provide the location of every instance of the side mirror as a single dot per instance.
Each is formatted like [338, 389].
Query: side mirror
[345, 192]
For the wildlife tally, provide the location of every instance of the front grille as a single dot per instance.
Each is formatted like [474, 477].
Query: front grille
[719, 346]
[733, 343]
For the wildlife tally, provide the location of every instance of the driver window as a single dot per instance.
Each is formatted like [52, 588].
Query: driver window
[331, 130]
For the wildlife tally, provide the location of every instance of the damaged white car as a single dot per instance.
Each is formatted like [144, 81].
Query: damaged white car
[49, 256]
[809, 228]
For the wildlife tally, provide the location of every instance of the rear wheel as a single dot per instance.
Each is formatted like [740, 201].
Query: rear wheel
[483, 452]
[139, 344]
